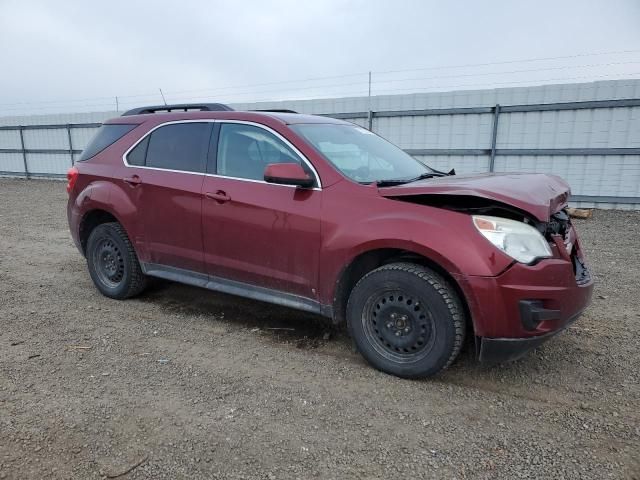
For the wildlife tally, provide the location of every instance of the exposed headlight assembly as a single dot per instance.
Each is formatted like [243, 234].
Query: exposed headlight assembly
[517, 239]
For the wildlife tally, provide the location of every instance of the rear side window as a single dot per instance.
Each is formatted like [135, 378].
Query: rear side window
[106, 135]
[181, 146]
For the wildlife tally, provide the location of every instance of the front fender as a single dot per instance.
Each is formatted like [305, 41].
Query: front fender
[446, 238]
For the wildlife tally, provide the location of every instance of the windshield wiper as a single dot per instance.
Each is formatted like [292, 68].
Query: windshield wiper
[428, 175]
[402, 181]
[389, 183]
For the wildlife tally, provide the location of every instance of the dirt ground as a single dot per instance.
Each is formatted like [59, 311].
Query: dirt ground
[183, 383]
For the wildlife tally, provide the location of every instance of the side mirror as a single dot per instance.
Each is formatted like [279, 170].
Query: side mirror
[287, 174]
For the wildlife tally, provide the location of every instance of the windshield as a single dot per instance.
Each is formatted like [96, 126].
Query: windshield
[361, 155]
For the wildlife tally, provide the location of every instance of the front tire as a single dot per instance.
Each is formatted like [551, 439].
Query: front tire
[406, 320]
[113, 263]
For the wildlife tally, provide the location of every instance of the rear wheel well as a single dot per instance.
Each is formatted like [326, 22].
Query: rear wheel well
[368, 261]
[90, 221]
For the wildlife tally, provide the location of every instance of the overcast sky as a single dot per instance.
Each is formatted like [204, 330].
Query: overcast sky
[58, 56]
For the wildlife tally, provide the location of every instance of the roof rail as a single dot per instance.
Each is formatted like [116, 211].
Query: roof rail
[181, 107]
[275, 110]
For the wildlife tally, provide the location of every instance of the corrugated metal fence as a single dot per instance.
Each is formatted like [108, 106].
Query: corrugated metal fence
[593, 143]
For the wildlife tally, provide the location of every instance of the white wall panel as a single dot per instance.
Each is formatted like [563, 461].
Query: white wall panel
[462, 163]
[9, 139]
[589, 128]
[81, 136]
[49, 138]
[48, 163]
[58, 118]
[11, 162]
[607, 175]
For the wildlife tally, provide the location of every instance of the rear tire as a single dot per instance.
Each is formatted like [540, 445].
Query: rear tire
[406, 320]
[113, 263]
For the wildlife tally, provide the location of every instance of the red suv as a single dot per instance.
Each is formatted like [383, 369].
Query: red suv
[325, 216]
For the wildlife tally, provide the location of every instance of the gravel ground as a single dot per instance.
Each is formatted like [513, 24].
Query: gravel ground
[183, 383]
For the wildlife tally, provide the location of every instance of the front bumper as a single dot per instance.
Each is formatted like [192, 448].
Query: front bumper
[498, 350]
[525, 306]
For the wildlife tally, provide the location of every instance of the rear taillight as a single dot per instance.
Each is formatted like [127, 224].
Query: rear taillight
[72, 178]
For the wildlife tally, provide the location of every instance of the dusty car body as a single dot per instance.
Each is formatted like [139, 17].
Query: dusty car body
[297, 224]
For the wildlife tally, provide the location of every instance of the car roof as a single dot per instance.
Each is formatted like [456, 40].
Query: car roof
[251, 116]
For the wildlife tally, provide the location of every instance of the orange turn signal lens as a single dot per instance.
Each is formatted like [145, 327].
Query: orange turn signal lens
[484, 224]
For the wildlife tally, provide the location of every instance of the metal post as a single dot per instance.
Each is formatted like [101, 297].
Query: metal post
[70, 143]
[117, 105]
[370, 113]
[24, 152]
[494, 136]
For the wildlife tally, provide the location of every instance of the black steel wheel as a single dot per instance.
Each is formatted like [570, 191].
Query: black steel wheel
[406, 320]
[112, 262]
[109, 262]
[398, 326]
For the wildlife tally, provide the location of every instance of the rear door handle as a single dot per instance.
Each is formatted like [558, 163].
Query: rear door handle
[133, 180]
[219, 196]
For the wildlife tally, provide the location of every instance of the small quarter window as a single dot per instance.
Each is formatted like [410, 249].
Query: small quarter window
[138, 155]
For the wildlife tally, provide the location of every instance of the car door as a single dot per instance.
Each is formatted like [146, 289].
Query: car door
[167, 174]
[255, 232]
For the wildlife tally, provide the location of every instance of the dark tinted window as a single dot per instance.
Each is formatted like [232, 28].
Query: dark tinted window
[138, 154]
[181, 146]
[106, 135]
[244, 151]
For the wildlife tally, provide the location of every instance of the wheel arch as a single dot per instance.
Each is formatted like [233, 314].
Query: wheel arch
[369, 260]
[90, 220]
[101, 202]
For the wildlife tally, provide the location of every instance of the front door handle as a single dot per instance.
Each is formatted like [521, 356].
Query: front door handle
[219, 196]
[133, 180]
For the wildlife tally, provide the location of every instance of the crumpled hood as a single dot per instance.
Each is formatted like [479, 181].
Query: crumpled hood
[539, 194]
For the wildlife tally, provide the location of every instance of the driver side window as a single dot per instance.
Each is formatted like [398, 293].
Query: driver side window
[244, 151]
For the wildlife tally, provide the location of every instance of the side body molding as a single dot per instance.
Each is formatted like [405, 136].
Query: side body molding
[233, 287]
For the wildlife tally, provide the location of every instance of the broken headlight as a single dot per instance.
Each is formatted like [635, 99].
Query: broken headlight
[517, 239]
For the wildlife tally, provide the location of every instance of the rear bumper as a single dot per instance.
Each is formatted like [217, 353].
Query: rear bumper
[73, 217]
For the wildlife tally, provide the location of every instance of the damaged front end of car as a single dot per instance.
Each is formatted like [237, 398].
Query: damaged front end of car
[545, 287]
